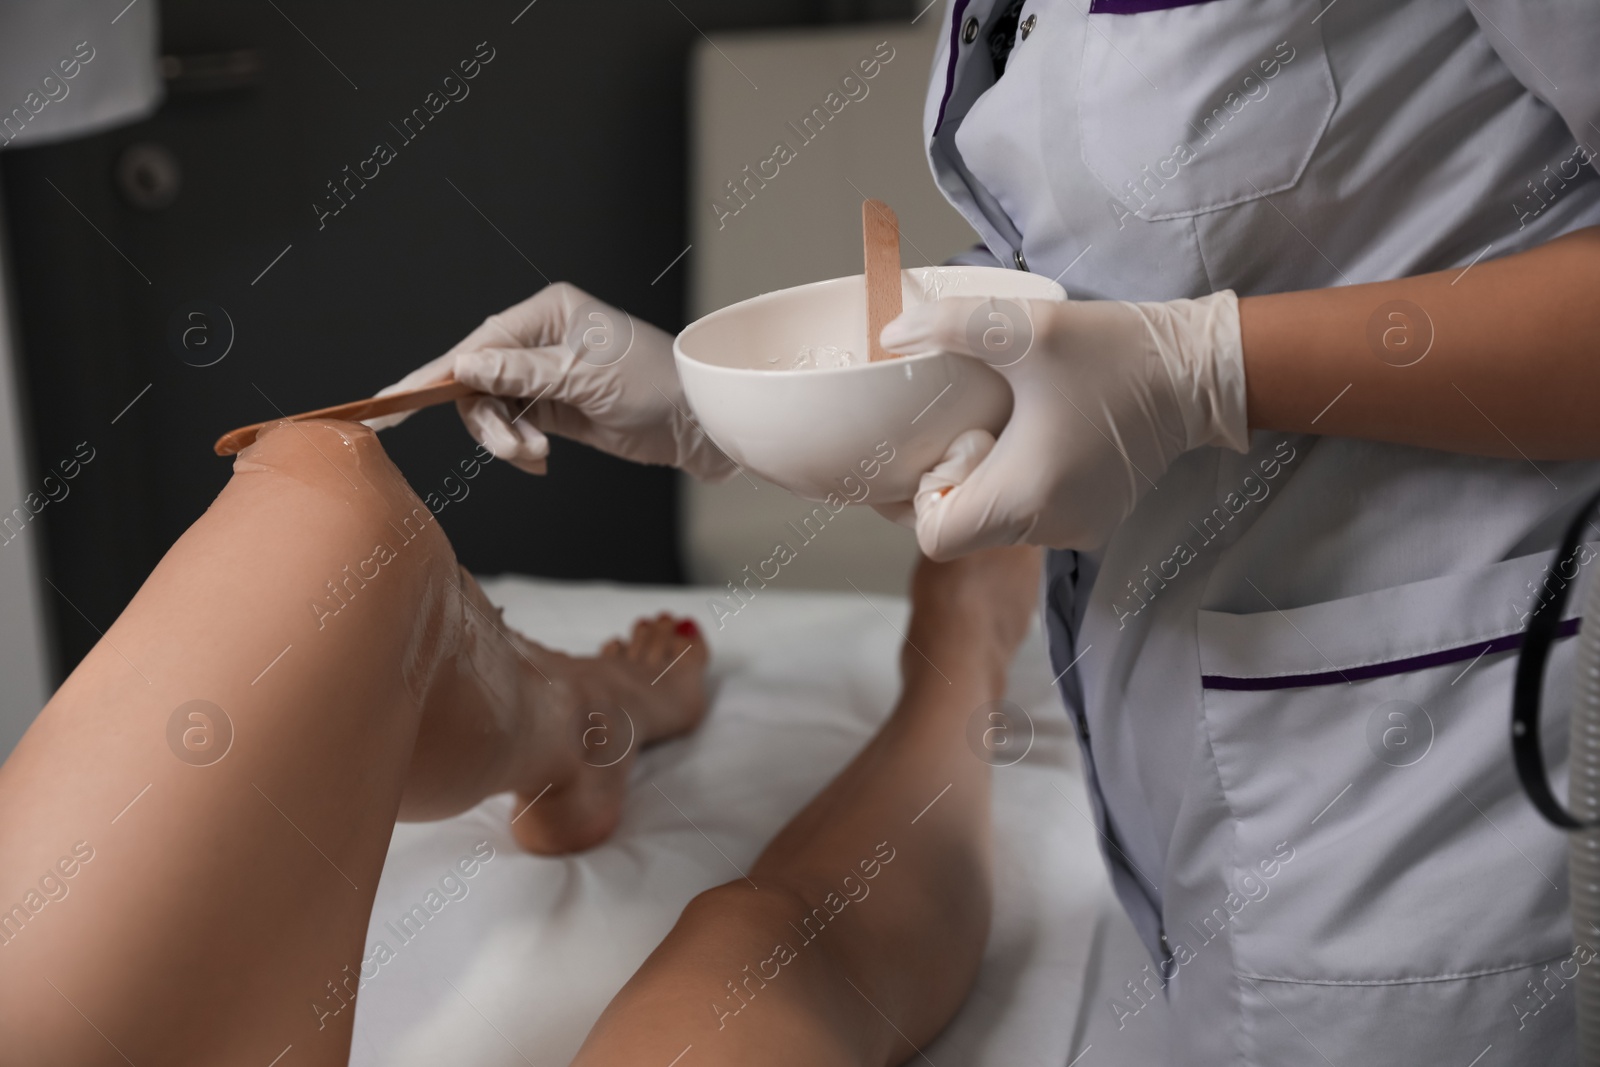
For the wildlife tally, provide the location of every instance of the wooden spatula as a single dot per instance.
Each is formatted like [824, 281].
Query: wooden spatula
[880, 234]
[407, 400]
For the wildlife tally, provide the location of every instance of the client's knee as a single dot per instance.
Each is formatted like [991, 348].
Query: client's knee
[342, 460]
[333, 484]
[324, 453]
[367, 544]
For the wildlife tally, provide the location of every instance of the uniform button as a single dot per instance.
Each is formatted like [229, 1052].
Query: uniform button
[1028, 24]
[969, 31]
[1022, 264]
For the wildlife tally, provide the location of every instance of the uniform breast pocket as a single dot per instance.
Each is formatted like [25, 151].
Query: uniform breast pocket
[1367, 739]
[1201, 106]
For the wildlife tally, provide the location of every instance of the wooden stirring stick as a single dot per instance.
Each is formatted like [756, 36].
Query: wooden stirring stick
[880, 233]
[407, 400]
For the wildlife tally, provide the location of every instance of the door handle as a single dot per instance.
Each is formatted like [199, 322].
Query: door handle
[196, 73]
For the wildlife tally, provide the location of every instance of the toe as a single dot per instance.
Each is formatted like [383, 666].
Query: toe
[667, 642]
[642, 649]
[639, 639]
[685, 646]
[699, 648]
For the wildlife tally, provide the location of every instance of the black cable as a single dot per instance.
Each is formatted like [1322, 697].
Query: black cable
[1544, 626]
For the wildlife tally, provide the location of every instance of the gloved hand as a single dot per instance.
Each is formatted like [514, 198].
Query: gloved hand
[562, 362]
[1107, 395]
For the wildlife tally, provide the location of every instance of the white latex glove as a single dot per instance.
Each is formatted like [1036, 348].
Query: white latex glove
[562, 362]
[1107, 395]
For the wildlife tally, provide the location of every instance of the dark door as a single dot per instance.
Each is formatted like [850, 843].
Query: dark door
[250, 250]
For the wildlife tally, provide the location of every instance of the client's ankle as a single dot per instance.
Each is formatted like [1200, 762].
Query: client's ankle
[971, 614]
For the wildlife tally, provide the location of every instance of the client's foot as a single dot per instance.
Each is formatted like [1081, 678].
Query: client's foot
[647, 688]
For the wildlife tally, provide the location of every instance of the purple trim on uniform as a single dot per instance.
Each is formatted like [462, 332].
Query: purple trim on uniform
[1137, 7]
[1375, 670]
[950, 68]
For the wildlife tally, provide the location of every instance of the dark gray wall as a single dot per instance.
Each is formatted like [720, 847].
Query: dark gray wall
[570, 146]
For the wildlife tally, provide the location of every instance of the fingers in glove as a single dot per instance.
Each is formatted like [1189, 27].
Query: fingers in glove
[517, 441]
[963, 503]
[538, 321]
[532, 373]
[434, 370]
[998, 331]
[383, 422]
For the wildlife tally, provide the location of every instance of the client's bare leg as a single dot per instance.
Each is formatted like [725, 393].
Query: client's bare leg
[193, 829]
[866, 919]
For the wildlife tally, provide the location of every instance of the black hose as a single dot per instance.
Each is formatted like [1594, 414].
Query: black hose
[1543, 628]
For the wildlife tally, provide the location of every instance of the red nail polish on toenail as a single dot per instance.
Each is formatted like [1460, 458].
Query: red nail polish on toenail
[686, 628]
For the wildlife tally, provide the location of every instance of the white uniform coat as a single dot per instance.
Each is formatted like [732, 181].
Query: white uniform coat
[1293, 667]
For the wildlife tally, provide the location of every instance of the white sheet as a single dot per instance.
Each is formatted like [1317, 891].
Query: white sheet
[516, 971]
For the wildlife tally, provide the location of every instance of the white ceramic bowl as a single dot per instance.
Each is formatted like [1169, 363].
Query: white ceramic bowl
[864, 432]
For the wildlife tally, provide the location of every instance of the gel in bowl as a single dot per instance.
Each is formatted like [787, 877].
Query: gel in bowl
[864, 432]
